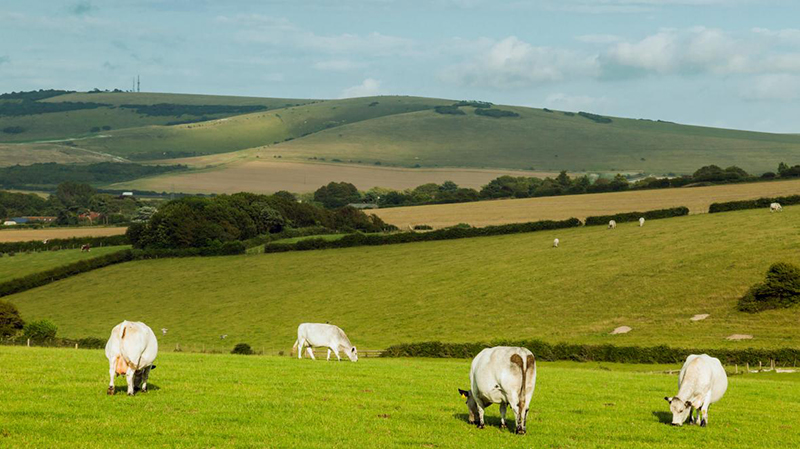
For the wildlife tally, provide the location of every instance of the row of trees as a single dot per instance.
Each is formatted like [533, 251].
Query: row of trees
[49, 175]
[339, 194]
[196, 222]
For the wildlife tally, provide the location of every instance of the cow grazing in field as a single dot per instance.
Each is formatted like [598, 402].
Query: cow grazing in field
[641, 221]
[501, 375]
[701, 382]
[555, 243]
[86, 248]
[775, 207]
[318, 335]
[131, 350]
[612, 224]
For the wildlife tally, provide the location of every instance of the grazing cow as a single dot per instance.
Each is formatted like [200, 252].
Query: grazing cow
[501, 375]
[641, 221]
[86, 248]
[612, 224]
[131, 350]
[318, 335]
[555, 243]
[701, 382]
[775, 207]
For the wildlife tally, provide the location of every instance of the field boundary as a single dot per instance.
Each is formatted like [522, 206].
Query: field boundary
[758, 203]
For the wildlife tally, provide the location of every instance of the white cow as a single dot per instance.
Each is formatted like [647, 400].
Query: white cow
[641, 221]
[318, 335]
[612, 224]
[131, 350]
[775, 207]
[501, 375]
[701, 382]
[555, 243]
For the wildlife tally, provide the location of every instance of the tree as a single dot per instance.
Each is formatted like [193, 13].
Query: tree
[10, 320]
[74, 194]
[619, 183]
[337, 194]
[448, 186]
[39, 331]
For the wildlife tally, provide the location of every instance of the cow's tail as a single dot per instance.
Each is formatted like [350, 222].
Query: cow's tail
[527, 368]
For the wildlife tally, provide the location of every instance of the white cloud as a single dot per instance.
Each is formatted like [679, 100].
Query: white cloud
[513, 63]
[598, 38]
[780, 87]
[338, 65]
[367, 88]
[566, 102]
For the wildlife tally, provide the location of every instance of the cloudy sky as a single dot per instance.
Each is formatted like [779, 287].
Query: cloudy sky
[728, 63]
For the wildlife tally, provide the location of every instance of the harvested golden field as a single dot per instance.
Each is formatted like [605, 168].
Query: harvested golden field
[24, 235]
[268, 176]
[484, 213]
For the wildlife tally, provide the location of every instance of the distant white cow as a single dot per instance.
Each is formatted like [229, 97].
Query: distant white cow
[701, 382]
[501, 375]
[775, 207]
[641, 221]
[131, 350]
[318, 335]
[612, 224]
[555, 243]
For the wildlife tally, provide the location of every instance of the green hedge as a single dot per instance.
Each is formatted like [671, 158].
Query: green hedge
[359, 239]
[82, 266]
[753, 204]
[634, 216]
[56, 244]
[596, 353]
[45, 277]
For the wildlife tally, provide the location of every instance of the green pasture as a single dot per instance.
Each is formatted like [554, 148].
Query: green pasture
[653, 279]
[57, 398]
[25, 263]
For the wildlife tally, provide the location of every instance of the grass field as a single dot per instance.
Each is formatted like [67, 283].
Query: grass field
[56, 398]
[23, 264]
[266, 176]
[485, 213]
[653, 279]
[24, 235]
[13, 154]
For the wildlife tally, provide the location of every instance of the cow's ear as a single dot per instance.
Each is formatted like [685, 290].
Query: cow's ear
[667, 398]
[353, 349]
[464, 394]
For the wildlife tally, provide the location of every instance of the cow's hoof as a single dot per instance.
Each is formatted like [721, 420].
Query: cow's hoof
[520, 431]
[503, 427]
[130, 393]
[481, 426]
[110, 391]
[143, 390]
[703, 423]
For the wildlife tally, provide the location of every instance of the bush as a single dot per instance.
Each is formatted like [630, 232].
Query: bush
[595, 117]
[242, 348]
[423, 227]
[39, 331]
[634, 216]
[594, 353]
[91, 343]
[10, 320]
[495, 113]
[780, 290]
[753, 204]
[13, 130]
[451, 110]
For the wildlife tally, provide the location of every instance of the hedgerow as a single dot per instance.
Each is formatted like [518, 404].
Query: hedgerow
[56, 244]
[753, 204]
[634, 216]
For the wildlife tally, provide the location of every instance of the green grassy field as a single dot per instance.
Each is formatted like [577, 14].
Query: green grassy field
[56, 398]
[653, 279]
[78, 123]
[23, 264]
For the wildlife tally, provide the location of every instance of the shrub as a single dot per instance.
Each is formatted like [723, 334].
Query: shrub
[10, 320]
[91, 343]
[634, 216]
[780, 290]
[495, 113]
[13, 130]
[451, 110]
[40, 331]
[595, 117]
[242, 348]
[423, 227]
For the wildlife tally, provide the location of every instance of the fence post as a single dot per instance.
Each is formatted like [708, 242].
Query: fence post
[177, 347]
[29, 342]
[759, 366]
[747, 366]
[737, 368]
[76, 346]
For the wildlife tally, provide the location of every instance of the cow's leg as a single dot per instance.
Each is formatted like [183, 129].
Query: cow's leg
[129, 375]
[503, 406]
[704, 410]
[112, 372]
[480, 408]
[310, 352]
[145, 376]
[336, 351]
[329, 355]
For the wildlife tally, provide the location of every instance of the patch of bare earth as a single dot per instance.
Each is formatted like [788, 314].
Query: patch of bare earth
[621, 330]
[738, 337]
[699, 317]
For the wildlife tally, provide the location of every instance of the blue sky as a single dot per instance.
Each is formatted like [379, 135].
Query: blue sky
[728, 63]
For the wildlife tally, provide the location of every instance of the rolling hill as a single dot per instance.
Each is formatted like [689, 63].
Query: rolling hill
[653, 279]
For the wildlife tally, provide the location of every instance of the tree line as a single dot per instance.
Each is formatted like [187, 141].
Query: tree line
[48, 175]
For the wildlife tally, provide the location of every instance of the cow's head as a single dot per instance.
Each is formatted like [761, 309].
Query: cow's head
[680, 410]
[471, 405]
[353, 354]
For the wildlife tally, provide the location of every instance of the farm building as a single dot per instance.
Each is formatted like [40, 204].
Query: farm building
[19, 220]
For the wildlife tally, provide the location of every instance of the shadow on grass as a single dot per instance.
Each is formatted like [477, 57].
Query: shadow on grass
[663, 417]
[488, 421]
[123, 389]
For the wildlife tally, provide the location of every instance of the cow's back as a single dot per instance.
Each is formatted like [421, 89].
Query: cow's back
[319, 334]
[493, 367]
[700, 374]
[138, 344]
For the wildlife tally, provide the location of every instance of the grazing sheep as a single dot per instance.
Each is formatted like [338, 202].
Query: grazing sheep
[163, 331]
[775, 207]
[641, 221]
[555, 243]
[612, 224]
